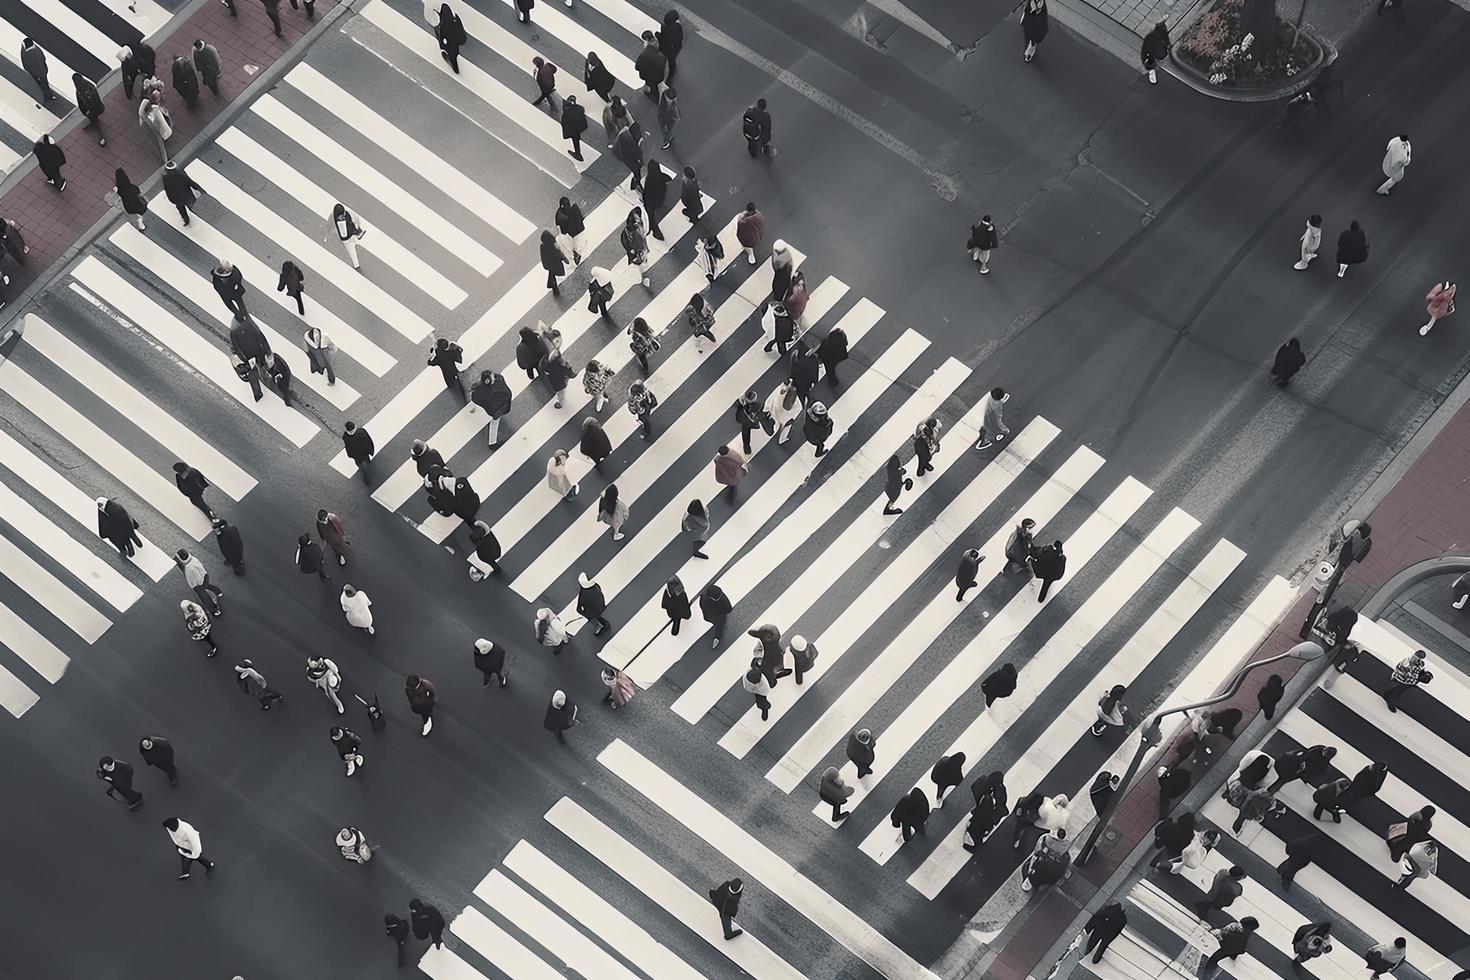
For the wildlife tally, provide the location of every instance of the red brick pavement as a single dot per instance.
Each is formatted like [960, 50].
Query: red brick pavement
[1423, 516]
[52, 221]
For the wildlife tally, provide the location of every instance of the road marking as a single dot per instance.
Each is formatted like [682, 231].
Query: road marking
[15, 696]
[550, 931]
[58, 599]
[93, 572]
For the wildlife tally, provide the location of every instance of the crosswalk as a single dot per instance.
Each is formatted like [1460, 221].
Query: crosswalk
[77, 36]
[1423, 745]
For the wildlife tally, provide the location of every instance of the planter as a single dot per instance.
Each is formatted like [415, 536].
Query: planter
[1217, 56]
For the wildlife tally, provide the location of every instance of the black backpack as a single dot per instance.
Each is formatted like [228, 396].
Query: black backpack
[751, 125]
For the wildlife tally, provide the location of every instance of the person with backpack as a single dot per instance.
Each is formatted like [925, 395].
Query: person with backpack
[756, 127]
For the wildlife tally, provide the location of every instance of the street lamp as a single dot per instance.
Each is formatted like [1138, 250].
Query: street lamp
[1152, 733]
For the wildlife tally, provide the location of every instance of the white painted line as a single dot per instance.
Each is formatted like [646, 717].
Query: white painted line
[677, 899]
[90, 439]
[665, 526]
[398, 144]
[1451, 687]
[8, 159]
[277, 172]
[331, 266]
[768, 868]
[58, 599]
[1187, 926]
[167, 431]
[571, 33]
[532, 434]
[669, 445]
[259, 276]
[212, 362]
[19, 111]
[491, 942]
[442, 963]
[80, 30]
[550, 931]
[393, 417]
[92, 571]
[1402, 728]
[936, 541]
[15, 696]
[626, 16]
[10, 41]
[598, 915]
[145, 15]
[78, 505]
[1130, 957]
[438, 229]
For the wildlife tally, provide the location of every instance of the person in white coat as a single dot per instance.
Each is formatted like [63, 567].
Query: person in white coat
[1193, 855]
[348, 231]
[359, 609]
[1395, 162]
[992, 427]
[324, 675]
[784, 407]
[551, 632]
[189, 845]
[155, 120]
[1311, 242]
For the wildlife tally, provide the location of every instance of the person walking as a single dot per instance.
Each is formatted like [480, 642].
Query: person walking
[358, 608]
[51, 158]
[450, 33]
[1171, 837]
[695, 523]
[561, 716]
[1352, 248]
[671, 40]
[1049, 564]
[1252, 802]
[947, 773]
[755, 125]
[490, 662]
[427, 921]
[1111, 711]
[1311, 242]
[758, 685]
[1309, 942]
[861, 751]
[803, 656]
[597, 78]
[730, 468]
[616, 118]
[273, 11]
[545, 74]
[119, 779]
[1367, 783]
[447, 356]
[1402, 836]
[231, 547]
[523, 10]
[1174, 782]
[186, 80]
[33, 60]
[159, 126]
[676, 604]
[708, 255]
[206, 61]
[691, 196]
[319, 347]
[493, 395]
[570, 222]
[1421, 861]
[991, 807]
[550, 631]
[557, 478]
[652, 65]
[641, 403]
[486, 546]
[198, 579]
[229, 285]
[349, 232]
[182, 192]
[1396, 158]
[421, 697]
[1194, 853]
[279, 372]
[895, 481]
[1224, 889]
[816, 427]
[553, 261]
[992, 427]
[198, 625]
[910, 813]
[771, 654]
[1386, 956]
[668, 115]
[573, 125]
[427, 461]
[635, 245]
[353, 845]
[1439, 303]
[325, 677]
[1289, 360]
[832, 351]
[1105, 925]
[358, 445]
[116, 526]
[612, 511]
[783, 408]
[715, 606]
[192, 484]
[1020, 547]
[1407, 674]
[592, 604]
[158, 752]
[310, 559]
[189, 845]
[397, 930]
[253, 682]
[1330, 798]
[1001, 683]
[619, 688]
[1033, 28]
[627, 147]
[594, 443]
[12, 242]
[750, 230]
[1156, 49]
[89, 104]
[293, 283]
[1301, 763]
[965, 576]
[348, 746]
[726, 899]
[835, 791]
[926, 444]
[1300, 853]
[1233, 938]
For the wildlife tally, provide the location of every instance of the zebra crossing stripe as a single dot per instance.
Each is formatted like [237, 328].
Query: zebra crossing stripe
[492, 942]
[550, 931]
[81, 31]
[11, 38]
[626, 16]
[93, 572]
[579, 39]
[15, 696]
[60, 601]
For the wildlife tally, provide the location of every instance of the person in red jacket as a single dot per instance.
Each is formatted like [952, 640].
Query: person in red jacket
[750, 230]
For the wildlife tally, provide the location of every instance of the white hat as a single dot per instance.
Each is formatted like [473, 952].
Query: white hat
[345, 837]
[101, 502]
[798, 643]
[558, 700]
[584, 580]
[483, 645]
[780, 245]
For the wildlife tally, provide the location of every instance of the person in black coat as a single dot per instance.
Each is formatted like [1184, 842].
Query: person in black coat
[726, 899]
[569, 222]
[229, 285]
[1289, 360]
[671, 41]
[89, 103]
[911, 813]
[715, 607]
[486, 544]
[1300, 853]
[816, 428]
[158, 752]
[492, 394]
[1049, 564]
[1171, 837]
[131, 198]
[676, 603]
[1173, 783]
[397, 930]
[447, 356]
[992, 804]
[1105, 925]
[466, 500]
[180, 189]
[424, 458]
[186, 80]
[1000, 684]
[832, 352]
[573, 124]
[655, 196]
[192, 484]
[490, 662]
[965, 576]
[1034, 25]
[231, 547]
[523, 10]
[358, 446]
[805, 365]
[1269, 696]
[51, 158]
[597, 78]
[895, 481]
[947, 773]
[591, 604]
[651, 64]
[553, 261]
[116, 526]
[691, 196]
[1367, 783]
[451, 35]
[1352, 248]
[594, 444]
[426, 921]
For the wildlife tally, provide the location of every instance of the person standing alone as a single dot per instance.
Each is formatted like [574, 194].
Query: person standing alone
[188, 844]
[1396, 159]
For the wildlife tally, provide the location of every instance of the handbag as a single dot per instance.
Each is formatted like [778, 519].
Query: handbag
[768, 424]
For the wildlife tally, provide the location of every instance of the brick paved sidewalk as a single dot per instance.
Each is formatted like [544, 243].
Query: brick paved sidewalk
[1423, 516]
[52, 222]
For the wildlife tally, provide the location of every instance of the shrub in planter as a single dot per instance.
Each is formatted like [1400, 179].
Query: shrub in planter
[1219, 47]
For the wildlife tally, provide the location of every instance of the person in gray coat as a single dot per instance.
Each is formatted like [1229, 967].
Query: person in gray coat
[629, 151]
[206, 60]
[836, 792]
[186, 80]
[860, 751]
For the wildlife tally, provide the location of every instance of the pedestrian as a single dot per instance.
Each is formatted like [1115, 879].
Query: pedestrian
[803, 656]
[349, 232]
[641, 403]
[1407, 674]
[1020, 547]
[1156, 49]
[1033, 29]
[1111, 711]
[861, 746]
[325, 677]
[795, 300]
[1171, 837]
[757, 684]
[1250, 802]
[895, 481]
[358, 446]
[1352, 248]
[89, 103]
[188, 844]
[247, 342]
[427, 921]
[715, 606]
[612, 511]
[755, 125]
[816, 427]
[33, 60]
[131, 68]
[597, 78]
[293, 283]
[1386, 956]
[181, 191]
[1311, 242]
[1309, 942]
[652, 65]
[1233, 938]
[279, 372]
[627, 146]
[1396, 160]
[1194, 853]
[570, 223]
[926, 444]
[545, 74]
[1174, 782]
[553, 261]
[119, 779]
[730, 468]
[451, 35]
[835, 791]
[550, 631]
[1224, 889]
[1421, 861]
[594, 443]
[1105, 925]
[158, 752]
[615, 119]
[947, 773]
[700, 316]
[992, 427]
[253, 682]
[523, 10]
[709, 253]
[358, 608]
[198, 579]
[117, 527]
[592, 604]
[490, 662]
[319, 347]
[447, 356]
[643, 342]
[557, 478]
[186, 80]
[1049, 564]
[965, 576]
[783, 408]
[1291, 766]
[910, 813]
[1289, 360]
[750, 230]
[695, 522]
[192, 484]
[1366, 784]
[348, 746]
[691, 196]
[466, 502]
[573, 125]
[1439, 303]
[561, 716]
[619, 688]
[206, 60]
[1047, 863]
[832, 351]
[159, 126]
[531, 350]
[51, 158]
[991, 807]
[421, 697]
[397, 930]
[1001, 683]
[1300, 853]
[231, 547]
[671, 40]
[198, 625]
[635, 245]
[676, 603]
[668, 115]
[354, 846]
[770, 653]
[229, 284]
[655, 195]
[1405, 834]
[726, 899]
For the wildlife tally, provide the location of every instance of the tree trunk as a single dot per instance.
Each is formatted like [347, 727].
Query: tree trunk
[1259, 19]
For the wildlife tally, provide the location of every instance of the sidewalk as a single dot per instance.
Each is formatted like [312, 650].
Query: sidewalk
[54, 223]
[1422, 516]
